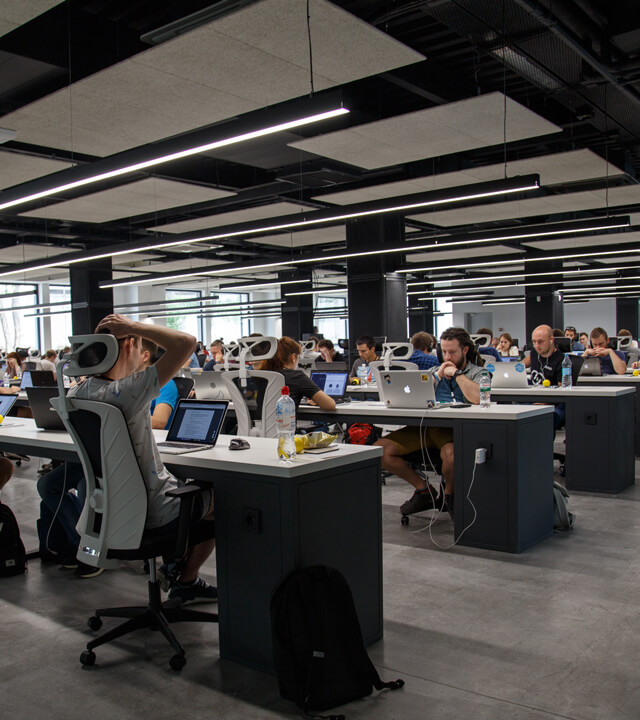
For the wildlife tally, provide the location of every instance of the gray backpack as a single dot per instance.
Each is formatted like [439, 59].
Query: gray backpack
[562, 518]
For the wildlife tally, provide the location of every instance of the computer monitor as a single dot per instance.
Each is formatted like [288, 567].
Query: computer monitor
[563, 344]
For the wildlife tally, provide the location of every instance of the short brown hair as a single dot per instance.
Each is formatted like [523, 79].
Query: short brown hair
[599, 332]
[624, 332]
[151, 348]
[485, 331]
[325, 343]
[422, 341]
[51, 353]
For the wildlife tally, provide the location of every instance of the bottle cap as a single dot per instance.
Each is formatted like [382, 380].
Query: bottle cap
[285, 390]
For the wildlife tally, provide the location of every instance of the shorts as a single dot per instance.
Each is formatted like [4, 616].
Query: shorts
[408, 438]
[200, 530]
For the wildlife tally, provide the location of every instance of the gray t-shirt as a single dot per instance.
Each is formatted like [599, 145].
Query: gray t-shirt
[47, 365]
[133, 395]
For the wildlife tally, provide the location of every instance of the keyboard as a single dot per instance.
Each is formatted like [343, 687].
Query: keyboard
[172, 446]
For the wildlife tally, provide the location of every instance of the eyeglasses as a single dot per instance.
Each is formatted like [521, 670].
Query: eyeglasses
[570, 327]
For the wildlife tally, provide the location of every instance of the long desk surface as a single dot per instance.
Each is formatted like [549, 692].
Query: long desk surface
[271, 518]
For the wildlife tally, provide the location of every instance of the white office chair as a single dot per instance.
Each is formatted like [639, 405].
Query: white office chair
[308, 356]
[249, 352]
[112, 522]
[481, 340]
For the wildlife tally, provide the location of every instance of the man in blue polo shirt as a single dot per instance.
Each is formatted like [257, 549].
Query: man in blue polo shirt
[612, 362]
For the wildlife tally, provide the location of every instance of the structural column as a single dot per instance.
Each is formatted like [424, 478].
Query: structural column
[627, 311]
[422, 320]
[89, 303]
[377, 294]
[297, 312]
[542, 305]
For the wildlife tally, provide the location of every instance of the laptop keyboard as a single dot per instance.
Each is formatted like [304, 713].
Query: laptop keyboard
[174, 444]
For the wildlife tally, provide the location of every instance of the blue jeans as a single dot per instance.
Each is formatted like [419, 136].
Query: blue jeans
[54, 488]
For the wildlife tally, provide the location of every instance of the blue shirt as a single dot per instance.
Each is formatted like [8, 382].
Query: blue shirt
[209, 365]
[575, 346]
[607, 366]
[168, 396]
[423, 360]
[194, 361]
[489, 350]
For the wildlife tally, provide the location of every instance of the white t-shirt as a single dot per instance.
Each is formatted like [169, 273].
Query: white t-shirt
[47, 365]
[133, 395]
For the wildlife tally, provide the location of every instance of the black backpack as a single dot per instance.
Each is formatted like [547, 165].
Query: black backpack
[318, 649]
[362, 434]
[13, 558]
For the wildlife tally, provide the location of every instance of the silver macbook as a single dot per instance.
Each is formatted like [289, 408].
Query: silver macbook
[195, 426]
[508, 375]
[209, 385]
[410, 390]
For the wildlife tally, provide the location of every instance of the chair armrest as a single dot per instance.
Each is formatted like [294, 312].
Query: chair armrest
[184, 491]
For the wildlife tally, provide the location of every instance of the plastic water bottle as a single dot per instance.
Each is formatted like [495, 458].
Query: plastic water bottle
[485, 389]
[363, 374]
[566, 373]
[286, 426]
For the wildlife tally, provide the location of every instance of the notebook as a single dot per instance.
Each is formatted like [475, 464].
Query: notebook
[44, 414]
[195, 426]
[410, 389]
[333, 383]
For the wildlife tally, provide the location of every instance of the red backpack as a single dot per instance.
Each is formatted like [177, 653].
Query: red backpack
[361, 434]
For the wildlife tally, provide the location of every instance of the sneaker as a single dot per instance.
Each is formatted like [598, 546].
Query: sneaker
[197, 590]
[420, 501]
[168, 574]
[70, 563]
[85, 571]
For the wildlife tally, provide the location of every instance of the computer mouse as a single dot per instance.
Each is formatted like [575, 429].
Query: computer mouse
[238, 444]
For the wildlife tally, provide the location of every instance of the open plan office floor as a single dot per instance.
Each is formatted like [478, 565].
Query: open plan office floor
[551, 633]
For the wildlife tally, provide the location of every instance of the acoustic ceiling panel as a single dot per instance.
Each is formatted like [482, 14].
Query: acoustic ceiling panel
[463, 253]
[245, 61]
[16, 168]
[534, 207]
[320, 236]
[17, 12]
[585, 242]
[553, 169]
[26, 252]
[136, 198]
[455, 127]
[230, 218]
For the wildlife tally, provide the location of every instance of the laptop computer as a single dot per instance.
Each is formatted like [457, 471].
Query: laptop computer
[44, 414]
[209, 385]
[195, 426]
[335, 366]
[6, 403]
[509, 375]
[410, 389]
[333, 383]
[37, 378]
[591, 366]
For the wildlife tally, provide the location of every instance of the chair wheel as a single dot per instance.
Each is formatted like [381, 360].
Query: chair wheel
[88, 657]
[404, 520]
[94, 623]
[177, 662]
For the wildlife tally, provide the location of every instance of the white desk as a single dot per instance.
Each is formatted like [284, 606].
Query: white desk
[271, 519]
[513, 490]
[599, 432]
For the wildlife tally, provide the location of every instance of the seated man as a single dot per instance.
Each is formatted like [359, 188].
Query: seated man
[422, 346]
[545, 362]
[457, 378]
[164, 406]
[217, 355]
[612, 362]
[571, 333]
[490, 349]
[366, 347]
[132, 391]
[328, 351]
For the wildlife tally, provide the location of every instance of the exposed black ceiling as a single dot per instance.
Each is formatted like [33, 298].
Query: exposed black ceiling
[576, 63]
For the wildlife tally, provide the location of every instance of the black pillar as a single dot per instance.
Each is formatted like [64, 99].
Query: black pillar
[297, 312]
[627, 309]
[377, 294]
[542, 305]
[89, 303]
[422, 320]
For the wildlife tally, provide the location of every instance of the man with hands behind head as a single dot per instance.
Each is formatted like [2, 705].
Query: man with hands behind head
[132, 390]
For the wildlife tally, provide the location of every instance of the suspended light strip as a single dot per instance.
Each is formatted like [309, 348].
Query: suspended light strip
[253, 286]
[456, 297]
[444, 293]
[505, 302]
[574, 256]
[609, 293]
[32, 307]
[188, 152]
[610, 287]
[316, 292]
[219, 310]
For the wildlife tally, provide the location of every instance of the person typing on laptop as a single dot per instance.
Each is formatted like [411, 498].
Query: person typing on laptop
[132, 391]
[612, 362]
[456, 379]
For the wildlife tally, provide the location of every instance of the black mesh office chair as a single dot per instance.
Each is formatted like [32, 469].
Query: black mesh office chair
[184, 385]
[113, 518]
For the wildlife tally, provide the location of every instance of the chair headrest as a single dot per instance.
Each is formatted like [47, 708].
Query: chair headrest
[91, 354]
[397, 350]
[257, 348]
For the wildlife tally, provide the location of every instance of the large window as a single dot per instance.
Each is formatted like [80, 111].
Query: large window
[189, 322]
[443, 321]
[332, 323]
[60, 323]
[16, 328]
[229, 325]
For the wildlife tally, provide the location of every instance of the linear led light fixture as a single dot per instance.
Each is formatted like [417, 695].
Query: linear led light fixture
[32, 307]
[17, 294]
[49, 313]
[504, 302]
[446, 292]
[514, 261]
[608, 293]
[188, 152]
[253, 286]
[317, 292]
[456, 297]
[213, 310]
[424, 199]
[610, 287]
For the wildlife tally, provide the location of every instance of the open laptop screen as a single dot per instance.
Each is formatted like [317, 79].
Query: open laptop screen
[6, 403]
[197, 421]
[333, 383]
[26, 380]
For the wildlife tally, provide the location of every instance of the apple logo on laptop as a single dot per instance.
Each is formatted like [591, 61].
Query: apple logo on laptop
[407, 389]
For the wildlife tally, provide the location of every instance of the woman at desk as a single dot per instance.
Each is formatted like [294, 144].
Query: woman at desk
[13, 370]
[506, 348]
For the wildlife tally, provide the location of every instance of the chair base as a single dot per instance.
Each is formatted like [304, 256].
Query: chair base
[154, 616]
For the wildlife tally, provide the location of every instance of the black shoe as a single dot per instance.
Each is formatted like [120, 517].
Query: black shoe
[420, 501]
[85, 571]
[197, 590]
[69, 563]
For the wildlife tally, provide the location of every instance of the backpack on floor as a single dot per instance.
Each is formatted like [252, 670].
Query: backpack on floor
[361, 434]
[318, 649]
[562, 518]
[13, 558]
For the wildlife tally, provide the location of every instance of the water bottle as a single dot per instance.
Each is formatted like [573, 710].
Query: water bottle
[363, 374]
[286, 426]
[566, 373]
[485, 389]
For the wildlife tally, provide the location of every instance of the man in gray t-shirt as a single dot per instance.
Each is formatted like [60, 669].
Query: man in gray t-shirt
[132, 391]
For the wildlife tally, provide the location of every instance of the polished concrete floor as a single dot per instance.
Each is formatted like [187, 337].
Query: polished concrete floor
[551, 633]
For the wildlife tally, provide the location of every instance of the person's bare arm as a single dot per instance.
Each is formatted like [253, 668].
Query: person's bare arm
[178, 345]
[161, 415]
[323, 401]
[619, 365]
[470, 389]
